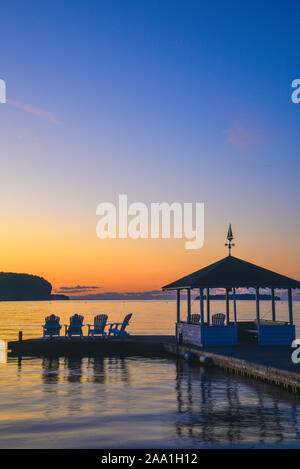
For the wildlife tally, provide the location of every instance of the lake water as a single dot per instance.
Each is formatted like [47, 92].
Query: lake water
[137, 401]
[149, 317]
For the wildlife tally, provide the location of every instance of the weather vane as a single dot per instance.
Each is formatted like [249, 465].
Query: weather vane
[230, 238]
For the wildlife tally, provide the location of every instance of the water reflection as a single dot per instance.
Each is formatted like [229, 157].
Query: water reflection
[217, 409]
[119, 369]
[50, 373]
[70, 402]
[74, 374]
[99, 370]
[3, 356]
[79, 370]
[3, 351]
[74, 367]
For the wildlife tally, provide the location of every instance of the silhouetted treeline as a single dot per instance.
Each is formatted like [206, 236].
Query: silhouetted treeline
[25, 287]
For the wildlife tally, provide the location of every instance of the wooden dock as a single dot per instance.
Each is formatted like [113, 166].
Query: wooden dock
[151, 345]
[271, 364]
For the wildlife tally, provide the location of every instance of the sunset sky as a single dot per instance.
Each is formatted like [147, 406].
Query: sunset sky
[163, 101]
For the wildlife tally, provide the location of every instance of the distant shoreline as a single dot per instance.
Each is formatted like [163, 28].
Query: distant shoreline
[26, 287]
[125, 299]
[161, 299]
[36, 299]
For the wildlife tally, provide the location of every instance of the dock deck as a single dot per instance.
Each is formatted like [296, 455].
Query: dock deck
[271, 364]
[86, 346]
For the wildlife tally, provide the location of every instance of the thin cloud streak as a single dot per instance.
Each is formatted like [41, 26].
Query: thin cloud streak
[77, 289]
[80, 287]
[32, 110]
[146, 295]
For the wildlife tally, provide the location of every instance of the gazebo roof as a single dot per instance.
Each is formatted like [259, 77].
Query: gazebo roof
[233, 272]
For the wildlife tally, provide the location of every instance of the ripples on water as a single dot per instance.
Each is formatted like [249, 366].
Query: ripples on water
[138, 402]
[133, 402]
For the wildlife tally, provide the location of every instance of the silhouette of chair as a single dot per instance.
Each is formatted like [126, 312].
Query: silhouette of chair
[120, 332]
[195, 318]
[75, 327]
[51, 328]
[218, 319]
[99, 326]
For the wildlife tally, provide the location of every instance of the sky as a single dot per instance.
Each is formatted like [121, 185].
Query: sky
[163, 101]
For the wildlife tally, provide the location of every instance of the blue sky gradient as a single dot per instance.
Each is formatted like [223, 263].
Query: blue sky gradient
[162, 100]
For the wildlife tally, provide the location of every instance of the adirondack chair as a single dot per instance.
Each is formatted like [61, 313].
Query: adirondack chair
[195, 318]
[120, 332]
[75, 327]
[218, 319]
[99, 326]
[51, 328]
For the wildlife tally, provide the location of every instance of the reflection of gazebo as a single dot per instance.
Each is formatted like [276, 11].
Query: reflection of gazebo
[207, 416]
[231, 273]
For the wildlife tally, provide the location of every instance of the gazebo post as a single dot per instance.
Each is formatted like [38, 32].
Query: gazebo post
[257, 306]
[178, 305]
[201, 306]
[234, 305]
[189, 305]
[290, 305]
[227, 306]
[207, 307]
[273, 304]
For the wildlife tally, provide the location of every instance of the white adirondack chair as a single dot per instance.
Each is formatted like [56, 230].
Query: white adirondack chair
[75, 326]
[120, 332]
[51, 328]
[98, 327]
[195, 318]
[218, 319]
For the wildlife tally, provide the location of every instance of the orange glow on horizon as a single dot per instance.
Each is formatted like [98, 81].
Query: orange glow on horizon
[66, 259]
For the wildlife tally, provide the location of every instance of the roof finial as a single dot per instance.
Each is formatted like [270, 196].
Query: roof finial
[230, 238]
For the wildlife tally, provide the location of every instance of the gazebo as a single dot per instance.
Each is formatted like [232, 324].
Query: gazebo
[231, 273]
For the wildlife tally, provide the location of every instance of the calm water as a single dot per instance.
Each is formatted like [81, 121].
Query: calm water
[133, 402]
[137, 402]
[149, 317]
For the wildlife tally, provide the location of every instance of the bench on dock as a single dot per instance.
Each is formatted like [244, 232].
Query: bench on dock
[266, 322]
[269, 322]
[252, 329]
